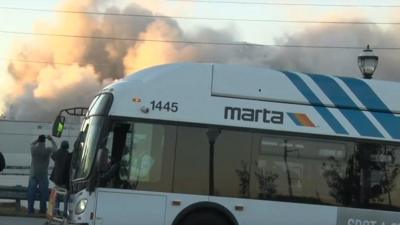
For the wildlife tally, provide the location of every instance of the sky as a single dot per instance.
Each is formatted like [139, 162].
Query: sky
[248, 31]
[39, 73]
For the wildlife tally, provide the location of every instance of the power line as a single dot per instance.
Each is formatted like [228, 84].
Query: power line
[36, 62]
[197, 42]
[204, 18]
[289, 4]
[61, 63]
[54, 63]
[122, 38]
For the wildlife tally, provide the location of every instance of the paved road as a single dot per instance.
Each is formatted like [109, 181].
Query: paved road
[6, 220]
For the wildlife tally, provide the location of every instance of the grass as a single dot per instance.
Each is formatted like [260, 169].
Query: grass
[9, 209]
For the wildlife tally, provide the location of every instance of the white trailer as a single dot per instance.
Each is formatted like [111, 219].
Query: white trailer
[15, 140]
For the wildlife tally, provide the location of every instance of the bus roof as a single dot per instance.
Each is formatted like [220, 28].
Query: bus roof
[262, 98]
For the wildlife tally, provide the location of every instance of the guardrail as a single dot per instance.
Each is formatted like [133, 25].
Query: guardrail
[16, 193]
[19, 171]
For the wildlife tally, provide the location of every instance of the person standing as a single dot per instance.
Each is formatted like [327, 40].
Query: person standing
[60, 173]
[38, 179]
[62, 159]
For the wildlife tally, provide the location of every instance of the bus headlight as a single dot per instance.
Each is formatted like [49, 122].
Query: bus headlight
[81, 206]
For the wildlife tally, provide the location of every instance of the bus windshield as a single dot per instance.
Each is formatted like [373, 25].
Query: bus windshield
[86, 146]
[87, 143]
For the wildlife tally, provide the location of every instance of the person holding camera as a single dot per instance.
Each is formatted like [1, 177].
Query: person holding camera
[38, 179]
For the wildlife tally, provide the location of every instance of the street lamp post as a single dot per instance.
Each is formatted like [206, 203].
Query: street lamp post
[367, 62]
[212, 135]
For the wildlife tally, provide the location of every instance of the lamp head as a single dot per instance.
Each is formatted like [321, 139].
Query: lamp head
[367, 62]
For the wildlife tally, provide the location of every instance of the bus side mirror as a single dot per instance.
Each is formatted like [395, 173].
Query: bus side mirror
[58, 126]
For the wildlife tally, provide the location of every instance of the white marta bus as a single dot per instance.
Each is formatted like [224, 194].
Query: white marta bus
[211, 144]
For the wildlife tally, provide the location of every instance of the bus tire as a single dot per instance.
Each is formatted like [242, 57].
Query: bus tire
[204, 218]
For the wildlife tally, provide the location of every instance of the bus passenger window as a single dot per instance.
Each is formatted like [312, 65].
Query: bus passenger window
[192, 161]
[377, 168]
[146, 158]
[232, 163]
[297, 170]
[143, 153]
[232, 151]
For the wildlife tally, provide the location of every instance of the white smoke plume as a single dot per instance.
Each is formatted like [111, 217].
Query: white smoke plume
[79, 67]
[341, 62]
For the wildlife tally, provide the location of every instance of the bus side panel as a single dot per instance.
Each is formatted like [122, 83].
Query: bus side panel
[260, 212]
[127, 208]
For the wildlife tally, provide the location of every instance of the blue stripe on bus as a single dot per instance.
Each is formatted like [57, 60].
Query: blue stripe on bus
[372, 102]
[339, 97]
[313, 99]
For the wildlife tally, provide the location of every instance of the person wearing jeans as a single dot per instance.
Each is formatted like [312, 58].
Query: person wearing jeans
[41, 185]
[38, 179]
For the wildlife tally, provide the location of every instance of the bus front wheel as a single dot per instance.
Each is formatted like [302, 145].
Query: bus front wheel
[204, 218]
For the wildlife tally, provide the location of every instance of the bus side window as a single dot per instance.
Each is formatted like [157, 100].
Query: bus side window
[232, 163]
[297, 170]
[146, 161]
[191, 161]
[378, 168]
[232, 152]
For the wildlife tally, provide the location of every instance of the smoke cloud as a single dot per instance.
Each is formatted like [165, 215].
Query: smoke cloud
[339, 61]
[80, 67]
